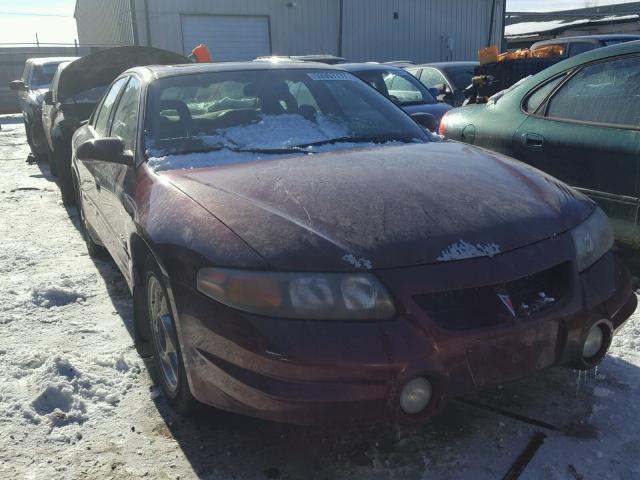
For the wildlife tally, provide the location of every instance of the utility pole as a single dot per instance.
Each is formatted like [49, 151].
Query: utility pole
[37, 41]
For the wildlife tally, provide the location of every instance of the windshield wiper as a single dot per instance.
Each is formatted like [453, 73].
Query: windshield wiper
[347, 139]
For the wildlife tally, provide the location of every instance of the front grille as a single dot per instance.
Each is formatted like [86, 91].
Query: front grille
[498, 304]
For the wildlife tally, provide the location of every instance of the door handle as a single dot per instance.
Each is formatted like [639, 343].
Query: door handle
[533, 140]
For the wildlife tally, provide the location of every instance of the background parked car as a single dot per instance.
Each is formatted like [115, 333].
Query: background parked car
[572, 46]
[31, 88]
[579, 121]
[447, 79]
[76, 89]
[401, 87]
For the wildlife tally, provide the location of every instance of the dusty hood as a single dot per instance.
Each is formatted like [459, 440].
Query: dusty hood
[384, 207]
[101, 68]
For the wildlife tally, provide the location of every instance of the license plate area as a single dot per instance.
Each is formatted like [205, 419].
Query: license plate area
[514, 355]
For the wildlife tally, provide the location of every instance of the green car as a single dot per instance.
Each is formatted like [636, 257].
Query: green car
[579, 121]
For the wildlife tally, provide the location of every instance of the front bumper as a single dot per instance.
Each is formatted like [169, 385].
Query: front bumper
[300, 371]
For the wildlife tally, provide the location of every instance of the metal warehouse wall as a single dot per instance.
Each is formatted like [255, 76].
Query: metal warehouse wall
[104, 22]
[424, 30]
[309, 26]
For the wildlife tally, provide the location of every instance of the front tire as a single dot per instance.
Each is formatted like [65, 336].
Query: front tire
[170, 372]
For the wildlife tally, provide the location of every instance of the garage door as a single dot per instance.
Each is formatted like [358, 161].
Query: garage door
[229, 38]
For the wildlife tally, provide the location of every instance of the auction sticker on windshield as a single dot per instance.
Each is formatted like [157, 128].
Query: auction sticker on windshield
[330, 76]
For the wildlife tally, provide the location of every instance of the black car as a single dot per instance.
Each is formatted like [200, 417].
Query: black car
[400, 87]
[31, 88]
[76, 89]
[447, 79]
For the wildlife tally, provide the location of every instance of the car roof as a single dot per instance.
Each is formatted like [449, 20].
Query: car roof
[162, 71]
[47, 60]
[585, 38]
[444, 65]
[369, 67]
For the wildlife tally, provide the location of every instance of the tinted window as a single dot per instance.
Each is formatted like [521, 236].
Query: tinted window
[402, 87]
[580, 47]
[432, 77]
[102, 119]
[540, 95]
[461, 76]
[607, 92]
[125, 118]
[271, 109]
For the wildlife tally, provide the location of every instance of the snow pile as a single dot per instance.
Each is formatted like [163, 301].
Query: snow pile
[59, 391]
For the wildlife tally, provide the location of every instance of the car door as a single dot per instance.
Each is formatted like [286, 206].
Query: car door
[116, 202]
[587, 133]
[91, 173]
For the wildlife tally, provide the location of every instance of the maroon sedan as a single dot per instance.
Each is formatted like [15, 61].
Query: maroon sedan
[299, 249]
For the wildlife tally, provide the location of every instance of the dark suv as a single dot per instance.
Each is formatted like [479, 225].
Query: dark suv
[31, 88]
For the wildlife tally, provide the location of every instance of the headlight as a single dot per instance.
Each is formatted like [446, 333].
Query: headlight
[592, 239]
[327, 296]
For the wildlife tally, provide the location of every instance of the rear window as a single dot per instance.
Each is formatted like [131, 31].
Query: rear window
[401, 87]
[41, 75]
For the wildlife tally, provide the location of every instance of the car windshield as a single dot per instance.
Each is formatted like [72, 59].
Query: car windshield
[401, 87]
[460, 76]
[278, 111]
[42, 75]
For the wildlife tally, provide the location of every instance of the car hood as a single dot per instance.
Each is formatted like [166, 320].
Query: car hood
[384, 206]
[101, 68]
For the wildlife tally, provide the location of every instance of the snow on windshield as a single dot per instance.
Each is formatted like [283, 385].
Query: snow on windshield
[270, 132]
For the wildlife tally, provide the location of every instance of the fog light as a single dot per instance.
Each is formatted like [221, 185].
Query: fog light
[594, 342]
[415, 395]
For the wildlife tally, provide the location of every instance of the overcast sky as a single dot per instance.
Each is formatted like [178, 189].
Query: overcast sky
[20, 20]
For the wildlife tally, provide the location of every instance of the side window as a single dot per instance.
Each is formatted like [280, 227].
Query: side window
[577, 48]
[606, 92]
[102, 118]
[432, 77]
[125, 118]
[536, 98]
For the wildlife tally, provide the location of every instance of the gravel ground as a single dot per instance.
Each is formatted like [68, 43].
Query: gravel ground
[76, 401]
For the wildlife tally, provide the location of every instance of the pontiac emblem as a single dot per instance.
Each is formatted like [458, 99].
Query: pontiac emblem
[506, 301]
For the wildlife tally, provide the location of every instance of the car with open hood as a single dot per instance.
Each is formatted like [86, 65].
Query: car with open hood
[299, 249]
[579, 121]
[31, 88]
[76, 88]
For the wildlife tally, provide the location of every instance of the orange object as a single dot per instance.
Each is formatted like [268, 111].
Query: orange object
[202, 54]
[488, 55]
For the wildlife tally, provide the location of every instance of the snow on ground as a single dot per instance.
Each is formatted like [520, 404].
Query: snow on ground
[76, 400]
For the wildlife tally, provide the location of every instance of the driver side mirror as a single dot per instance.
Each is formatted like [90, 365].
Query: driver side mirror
[108, 149]
[425, 120]
[17, 85]
[48, 98]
